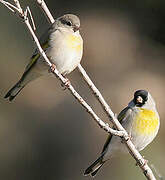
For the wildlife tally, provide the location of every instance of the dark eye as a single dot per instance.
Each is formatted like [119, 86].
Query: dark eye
[68, 23]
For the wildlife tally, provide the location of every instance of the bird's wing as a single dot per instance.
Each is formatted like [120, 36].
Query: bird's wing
[44, 41]
[121, 117]
[124, 114]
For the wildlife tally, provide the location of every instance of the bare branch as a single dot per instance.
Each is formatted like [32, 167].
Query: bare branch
[136, 155]
[10, 6]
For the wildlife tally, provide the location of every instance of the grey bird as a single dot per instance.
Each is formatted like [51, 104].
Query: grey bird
[63, 46]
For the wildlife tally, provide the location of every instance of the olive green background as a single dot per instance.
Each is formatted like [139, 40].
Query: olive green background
[45, 134]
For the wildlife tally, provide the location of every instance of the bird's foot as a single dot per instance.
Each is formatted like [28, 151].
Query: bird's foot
[123, 140]
[52, 68]
[141, 163]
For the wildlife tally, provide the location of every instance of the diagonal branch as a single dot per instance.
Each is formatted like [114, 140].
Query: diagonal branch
[135, 154]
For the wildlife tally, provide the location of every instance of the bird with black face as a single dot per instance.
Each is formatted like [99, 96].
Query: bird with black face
[63, 46]
[140, 119]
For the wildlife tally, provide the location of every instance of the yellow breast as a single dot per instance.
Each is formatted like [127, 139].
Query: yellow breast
[146, 122]
[74, 42]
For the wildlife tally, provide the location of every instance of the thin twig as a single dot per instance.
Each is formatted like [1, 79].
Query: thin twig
[18, 6]
[31, 17]
[46, 10]
[137, 156]
[10, 6]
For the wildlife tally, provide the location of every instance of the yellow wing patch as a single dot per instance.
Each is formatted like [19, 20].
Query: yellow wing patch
[35, 57]
[146, 122]
[74, 42]
[45, 45]
[33, 60]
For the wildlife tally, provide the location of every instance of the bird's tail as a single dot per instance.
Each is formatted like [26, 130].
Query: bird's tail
[27, 77]
[12, 93]
[93, 169]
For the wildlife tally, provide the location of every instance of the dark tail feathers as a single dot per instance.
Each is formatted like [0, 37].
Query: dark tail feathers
[93, 169]
[14, 91]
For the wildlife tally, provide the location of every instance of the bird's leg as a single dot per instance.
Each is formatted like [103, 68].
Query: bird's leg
[52, 68]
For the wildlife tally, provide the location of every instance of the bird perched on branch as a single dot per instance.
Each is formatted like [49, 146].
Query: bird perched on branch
[63, 46]
[140, 119]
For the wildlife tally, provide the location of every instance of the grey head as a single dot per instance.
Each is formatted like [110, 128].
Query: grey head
[69, 21]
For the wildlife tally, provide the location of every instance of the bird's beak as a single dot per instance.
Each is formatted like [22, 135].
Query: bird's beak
[139, 100]
[76, 28]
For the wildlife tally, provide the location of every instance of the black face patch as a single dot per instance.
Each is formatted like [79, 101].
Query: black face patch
[140, 93]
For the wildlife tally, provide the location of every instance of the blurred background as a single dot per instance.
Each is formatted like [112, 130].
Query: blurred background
[45, 134]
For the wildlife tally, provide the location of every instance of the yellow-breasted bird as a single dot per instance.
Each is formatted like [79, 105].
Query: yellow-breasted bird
[140, 119]
[63, 46]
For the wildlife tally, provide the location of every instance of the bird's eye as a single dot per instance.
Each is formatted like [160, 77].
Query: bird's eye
[68, 23]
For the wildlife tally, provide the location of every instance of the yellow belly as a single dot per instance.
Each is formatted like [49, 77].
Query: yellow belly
[74, 43]
[146, 122]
